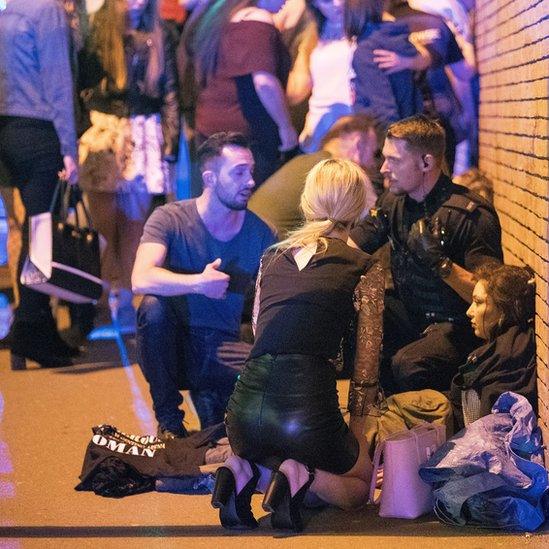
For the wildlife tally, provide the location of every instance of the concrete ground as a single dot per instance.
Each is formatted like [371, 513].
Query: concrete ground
[45, 424]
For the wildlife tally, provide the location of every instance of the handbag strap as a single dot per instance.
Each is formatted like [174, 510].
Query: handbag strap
[76, 192]
[56, 195]
[71, 197]
[375, 469]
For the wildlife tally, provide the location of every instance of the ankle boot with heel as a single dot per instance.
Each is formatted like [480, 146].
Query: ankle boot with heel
[235, 511]
[40, 343]
[285, 509]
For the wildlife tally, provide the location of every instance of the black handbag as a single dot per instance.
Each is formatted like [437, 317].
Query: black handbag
[64, 258]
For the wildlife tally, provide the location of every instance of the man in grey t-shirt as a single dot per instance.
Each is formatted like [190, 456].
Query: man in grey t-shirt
[195, 261]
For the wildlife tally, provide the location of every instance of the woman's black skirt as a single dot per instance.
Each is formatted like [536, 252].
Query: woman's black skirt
[286, 406]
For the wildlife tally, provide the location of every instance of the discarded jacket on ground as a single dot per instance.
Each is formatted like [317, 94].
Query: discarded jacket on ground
[117, 464]
[491, 474]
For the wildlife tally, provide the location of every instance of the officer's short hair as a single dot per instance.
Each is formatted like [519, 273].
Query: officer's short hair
[213, 146]
[422, 134]
[351, 123]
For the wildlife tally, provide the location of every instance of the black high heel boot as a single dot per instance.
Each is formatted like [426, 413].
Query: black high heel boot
[235, 511]
[285, 509]
[34, 341]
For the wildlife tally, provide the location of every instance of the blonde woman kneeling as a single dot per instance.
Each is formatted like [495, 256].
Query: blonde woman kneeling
[284, 414]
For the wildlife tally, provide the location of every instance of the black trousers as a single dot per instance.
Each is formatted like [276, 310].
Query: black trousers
[30, 150]
[418, 354]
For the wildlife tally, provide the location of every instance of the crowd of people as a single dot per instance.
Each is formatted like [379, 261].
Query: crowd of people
[323, 135]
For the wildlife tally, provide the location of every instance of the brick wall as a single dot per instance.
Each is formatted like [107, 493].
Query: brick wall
[513, 57]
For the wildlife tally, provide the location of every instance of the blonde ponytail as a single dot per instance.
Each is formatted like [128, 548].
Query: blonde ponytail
[334, 196]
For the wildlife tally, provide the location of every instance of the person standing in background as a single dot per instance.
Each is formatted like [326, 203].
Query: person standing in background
[37, 146]
[324, 73]
[242, 67]
[129, 83]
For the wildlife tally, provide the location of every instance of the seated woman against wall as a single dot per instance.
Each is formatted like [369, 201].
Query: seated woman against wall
[284, 413]
[502, 314]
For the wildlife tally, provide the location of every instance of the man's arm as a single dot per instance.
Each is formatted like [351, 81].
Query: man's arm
[461, 281]
[273, 98]
[427, 247]
[373, 231]
[149, 277]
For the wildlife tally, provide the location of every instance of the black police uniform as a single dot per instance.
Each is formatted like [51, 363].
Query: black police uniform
[427, 334]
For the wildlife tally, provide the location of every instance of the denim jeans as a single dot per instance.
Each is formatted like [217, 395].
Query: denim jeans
[174, 356]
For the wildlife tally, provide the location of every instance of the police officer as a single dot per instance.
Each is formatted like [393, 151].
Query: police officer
[439, 233]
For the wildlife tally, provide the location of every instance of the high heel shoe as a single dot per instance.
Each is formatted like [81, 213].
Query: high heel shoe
[18, 361]
[36, 342]
[235, 511]
[285, 509]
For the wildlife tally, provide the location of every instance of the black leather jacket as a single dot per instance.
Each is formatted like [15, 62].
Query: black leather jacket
[134, 100]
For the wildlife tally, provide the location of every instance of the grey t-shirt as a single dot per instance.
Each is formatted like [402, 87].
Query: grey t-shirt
[190, 247]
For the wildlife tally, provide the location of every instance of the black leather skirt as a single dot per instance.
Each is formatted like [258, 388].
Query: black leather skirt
[286, 406]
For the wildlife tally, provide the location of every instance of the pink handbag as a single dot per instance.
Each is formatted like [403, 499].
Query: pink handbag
[403, 493]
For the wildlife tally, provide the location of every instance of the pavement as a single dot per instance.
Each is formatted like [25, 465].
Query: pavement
[45, 425]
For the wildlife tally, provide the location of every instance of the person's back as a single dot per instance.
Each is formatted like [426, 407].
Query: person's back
[284, 411]
[277, 200]
[33, 40]
[38, 147]
[308, 311]
[387, 98]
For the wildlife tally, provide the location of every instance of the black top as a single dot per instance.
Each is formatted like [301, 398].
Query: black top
[472, 236]
[308, 311]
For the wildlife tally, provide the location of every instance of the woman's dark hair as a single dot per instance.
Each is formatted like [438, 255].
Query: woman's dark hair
[317, 14]
[513, 291]
[107, 40]
[207, 36]
[360, 12]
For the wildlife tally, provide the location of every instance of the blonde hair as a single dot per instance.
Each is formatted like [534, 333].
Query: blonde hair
[334, 196]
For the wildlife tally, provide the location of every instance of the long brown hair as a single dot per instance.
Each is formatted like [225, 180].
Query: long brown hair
[512, 290]
[107, 34]
[359, 12]
[207, 38]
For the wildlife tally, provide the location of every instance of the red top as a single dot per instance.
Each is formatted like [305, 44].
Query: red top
[246, 47]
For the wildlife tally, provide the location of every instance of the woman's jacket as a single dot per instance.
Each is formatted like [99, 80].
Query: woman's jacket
[508, 363]
[100, 94]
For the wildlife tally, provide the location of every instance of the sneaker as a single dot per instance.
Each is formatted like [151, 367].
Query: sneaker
[165, 434]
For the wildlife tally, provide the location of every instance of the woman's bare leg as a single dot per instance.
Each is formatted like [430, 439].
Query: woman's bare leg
[347, 491]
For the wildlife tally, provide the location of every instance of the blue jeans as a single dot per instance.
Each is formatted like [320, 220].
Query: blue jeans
[173, 356]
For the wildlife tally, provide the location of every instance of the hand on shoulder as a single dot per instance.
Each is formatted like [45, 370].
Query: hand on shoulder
[253, 14]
